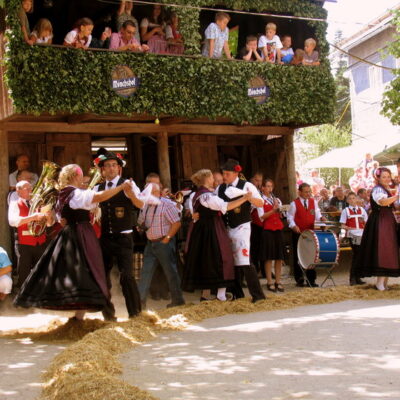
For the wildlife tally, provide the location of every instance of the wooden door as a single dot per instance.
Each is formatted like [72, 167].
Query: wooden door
[67, 148]
[198, 151]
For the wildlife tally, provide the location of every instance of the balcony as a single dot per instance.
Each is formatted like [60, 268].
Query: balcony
[59, 80]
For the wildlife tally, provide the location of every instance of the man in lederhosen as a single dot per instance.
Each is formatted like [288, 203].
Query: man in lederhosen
[238, 226]
[116, 232]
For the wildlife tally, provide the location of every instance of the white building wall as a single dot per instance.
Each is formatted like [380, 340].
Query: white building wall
[367, 121]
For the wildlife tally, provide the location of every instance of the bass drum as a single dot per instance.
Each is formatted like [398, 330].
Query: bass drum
[317, 247]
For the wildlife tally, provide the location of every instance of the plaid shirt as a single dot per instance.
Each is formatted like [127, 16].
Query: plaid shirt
[158, 219]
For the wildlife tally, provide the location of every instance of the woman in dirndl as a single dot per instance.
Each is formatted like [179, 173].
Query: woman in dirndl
[70, 275]
[209, 259]
[271, 249]
[379, 251]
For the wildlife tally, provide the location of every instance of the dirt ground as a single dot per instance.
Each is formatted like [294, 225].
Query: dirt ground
[345, 351]
[22, 361]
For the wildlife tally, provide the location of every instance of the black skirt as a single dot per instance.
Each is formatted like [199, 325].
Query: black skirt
[62, 279]
[271, 245]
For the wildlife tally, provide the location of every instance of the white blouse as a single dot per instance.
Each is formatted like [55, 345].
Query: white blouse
[82, 199]
[213, 202]
[378, 193]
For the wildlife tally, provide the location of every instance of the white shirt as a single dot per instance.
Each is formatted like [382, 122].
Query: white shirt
[270, 200]
[82, 199]
[213, 202]
[271, 45]
[378, 194]
[12, 178]
[72, 37]
[12, 196]
[14, 218]
[292, 212]
[248, 187]
[346, 215]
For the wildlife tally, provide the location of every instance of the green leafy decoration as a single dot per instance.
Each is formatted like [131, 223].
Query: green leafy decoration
[65, 80]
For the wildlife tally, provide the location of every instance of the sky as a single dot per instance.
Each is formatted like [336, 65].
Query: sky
[352, 15]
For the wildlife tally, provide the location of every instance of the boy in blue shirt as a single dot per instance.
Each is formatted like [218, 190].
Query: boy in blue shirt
[5, 274]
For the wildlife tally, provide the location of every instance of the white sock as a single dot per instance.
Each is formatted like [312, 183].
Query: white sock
[380, 283]
[221, 295]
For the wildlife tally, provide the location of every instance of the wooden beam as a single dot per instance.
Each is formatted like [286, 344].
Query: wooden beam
[163, 159]
[290, 165]
[4, 227]
[118, 128]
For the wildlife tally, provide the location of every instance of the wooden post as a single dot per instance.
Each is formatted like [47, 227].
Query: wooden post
[135, 153]
[163, 159]
[4, 227]
[290, 165]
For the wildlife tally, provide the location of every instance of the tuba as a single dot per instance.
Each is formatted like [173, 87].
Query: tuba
[95, 177]
[44, 196]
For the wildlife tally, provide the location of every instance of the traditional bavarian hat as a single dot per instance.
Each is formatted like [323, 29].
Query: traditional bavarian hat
[231, 165]
[106, 156]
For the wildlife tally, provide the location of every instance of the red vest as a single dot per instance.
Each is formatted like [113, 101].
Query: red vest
[23, 233]
[255, 219]
[351, 222]
[273, 222]
[303, 218]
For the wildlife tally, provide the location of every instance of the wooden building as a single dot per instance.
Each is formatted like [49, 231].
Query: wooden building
[189, 112]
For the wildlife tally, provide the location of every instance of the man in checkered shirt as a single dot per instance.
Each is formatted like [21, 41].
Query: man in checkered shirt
[161, 222]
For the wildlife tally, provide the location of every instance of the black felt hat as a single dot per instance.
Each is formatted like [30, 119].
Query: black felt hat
[102, 158]
[231, 165]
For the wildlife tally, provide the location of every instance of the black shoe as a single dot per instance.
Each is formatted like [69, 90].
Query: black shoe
[360, 282]
[353, 282]
[300, 284]
[313, 284]
[254, 300]
[109, 318]
[170, 305]
[155, 296]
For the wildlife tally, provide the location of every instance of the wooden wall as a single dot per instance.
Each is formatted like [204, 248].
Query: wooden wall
[198, 151]
[58, 147]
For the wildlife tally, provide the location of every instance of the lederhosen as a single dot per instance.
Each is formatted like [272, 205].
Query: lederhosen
[116, 217]
[237, 222]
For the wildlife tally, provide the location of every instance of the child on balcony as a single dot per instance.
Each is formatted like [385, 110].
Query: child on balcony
[26, 6]
[42, 32]
[250, 51]
[298, 57]
[216, 37]
[174, 38]
[286, 51]
[81, 36]
[311, 56]
[5, 274]
[270, 44]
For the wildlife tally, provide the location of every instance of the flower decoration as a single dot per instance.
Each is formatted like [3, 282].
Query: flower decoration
[97, 160]
[238, 168]
[119, 156]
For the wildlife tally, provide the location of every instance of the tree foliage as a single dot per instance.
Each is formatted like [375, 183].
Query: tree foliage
[53, 79]
[391, 98]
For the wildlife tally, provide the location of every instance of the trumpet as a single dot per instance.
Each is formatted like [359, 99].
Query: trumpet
[177, 197]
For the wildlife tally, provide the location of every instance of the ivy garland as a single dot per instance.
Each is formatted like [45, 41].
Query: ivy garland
[51, 79]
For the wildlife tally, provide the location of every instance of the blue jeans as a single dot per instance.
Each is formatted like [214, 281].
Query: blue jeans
[166, 255]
